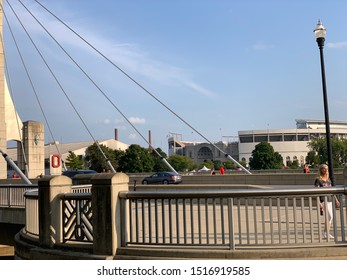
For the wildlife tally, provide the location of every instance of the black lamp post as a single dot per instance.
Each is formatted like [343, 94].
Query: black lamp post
[320, 33]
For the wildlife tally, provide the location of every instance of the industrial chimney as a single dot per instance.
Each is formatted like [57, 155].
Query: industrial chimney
[116, 134]
[150, 140]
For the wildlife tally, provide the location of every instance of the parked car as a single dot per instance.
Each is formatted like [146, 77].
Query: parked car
[71, 173]
[163, 178]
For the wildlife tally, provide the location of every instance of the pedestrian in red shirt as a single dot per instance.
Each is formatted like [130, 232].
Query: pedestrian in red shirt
[221, 170]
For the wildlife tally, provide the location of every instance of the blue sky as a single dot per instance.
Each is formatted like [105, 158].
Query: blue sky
[222, 66]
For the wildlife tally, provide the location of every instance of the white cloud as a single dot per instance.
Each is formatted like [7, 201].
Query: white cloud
[132, 136]
[260, 46]
[127, 56]
[338, 45]
[118, 123]
[137, 120]
[199, 88]
[106, 121]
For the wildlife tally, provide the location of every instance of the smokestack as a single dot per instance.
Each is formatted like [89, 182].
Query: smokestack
[150, 139]
[116, 134]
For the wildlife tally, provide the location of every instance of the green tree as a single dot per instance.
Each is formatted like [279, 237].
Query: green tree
[244, 163]
[312, 158]
[181, 163]
[137, 159]
[339, 147]
[294, 164]
[96, 161]
[264, 157]
[339, 150]
[216, 164]
[319, 147]
[210, 164]
[73, 161]
[159, 164]
[118, 154]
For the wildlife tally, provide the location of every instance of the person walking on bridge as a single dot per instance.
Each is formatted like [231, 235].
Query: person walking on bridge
[323, 181]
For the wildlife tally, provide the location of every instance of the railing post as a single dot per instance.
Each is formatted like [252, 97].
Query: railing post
[231, 223]
[107, 226]
[9, 196]
[345, 176]
[50, 220]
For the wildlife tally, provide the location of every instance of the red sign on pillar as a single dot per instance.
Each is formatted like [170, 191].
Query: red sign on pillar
[55, 161]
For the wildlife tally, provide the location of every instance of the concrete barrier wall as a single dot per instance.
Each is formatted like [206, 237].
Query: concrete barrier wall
[106, 223]
[238, 178]
[251, 179]
[107, 228]
[12, 215]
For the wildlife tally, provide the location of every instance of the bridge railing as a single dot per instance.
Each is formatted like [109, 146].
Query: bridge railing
[77, 217]
[231, 218]
[210, 218]
[13, 195]
[74, 213]
[111, 216]
[32, 212]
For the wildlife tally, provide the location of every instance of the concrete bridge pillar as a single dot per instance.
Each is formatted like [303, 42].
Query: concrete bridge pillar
[50, 222]
[106, 211]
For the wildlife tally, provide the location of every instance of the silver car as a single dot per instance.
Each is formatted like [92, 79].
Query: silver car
[163, 178]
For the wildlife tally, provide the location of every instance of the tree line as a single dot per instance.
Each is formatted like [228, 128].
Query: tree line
[137, 159]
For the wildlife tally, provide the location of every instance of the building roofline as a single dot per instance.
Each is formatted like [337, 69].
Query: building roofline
[319, 121]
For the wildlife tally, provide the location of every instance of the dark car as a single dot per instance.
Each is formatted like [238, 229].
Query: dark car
[71, 173]
[163, 178]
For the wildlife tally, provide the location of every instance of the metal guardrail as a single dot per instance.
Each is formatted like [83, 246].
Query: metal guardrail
[77, 217]
[76, 213]
[13, 195]
[82, 188]
[230, 218]
[32, 212]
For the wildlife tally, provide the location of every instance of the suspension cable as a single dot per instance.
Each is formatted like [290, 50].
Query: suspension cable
[33, 88]
[62, 89]
[99, 89]
[143, 88]
[14, 104]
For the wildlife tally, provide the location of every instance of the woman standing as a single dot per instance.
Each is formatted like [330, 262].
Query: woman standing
[323, 181]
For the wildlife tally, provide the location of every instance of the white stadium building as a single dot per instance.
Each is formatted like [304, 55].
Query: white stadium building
[291, 144]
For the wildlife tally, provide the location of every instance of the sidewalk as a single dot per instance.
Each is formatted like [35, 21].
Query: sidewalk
[6, 252]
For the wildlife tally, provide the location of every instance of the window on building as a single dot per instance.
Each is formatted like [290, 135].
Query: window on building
[289, 137]
[288, 161]
[246, 139]
[314, 135]
[260, 138]
[303, 137]
[205, 153]
[276, 138]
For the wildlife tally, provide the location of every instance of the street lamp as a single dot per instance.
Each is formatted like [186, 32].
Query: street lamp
[320, 33]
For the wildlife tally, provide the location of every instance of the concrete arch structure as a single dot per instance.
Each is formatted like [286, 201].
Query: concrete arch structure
[12, 128]
[10, 123]
[199, 152]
